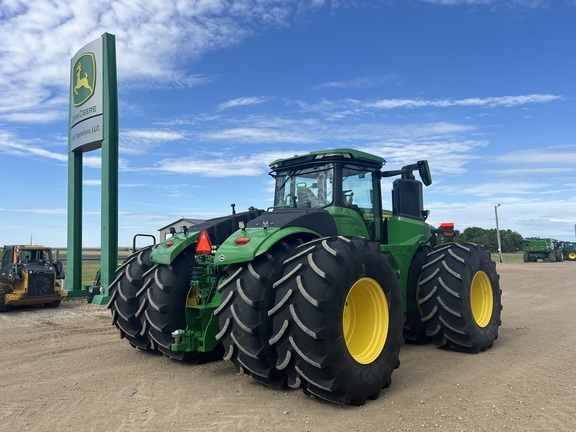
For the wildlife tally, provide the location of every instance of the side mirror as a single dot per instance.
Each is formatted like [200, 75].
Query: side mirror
[424, 171]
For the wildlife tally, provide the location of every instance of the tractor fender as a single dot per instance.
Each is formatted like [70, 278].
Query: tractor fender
[265, 231]
[165, 252]
[218, 230]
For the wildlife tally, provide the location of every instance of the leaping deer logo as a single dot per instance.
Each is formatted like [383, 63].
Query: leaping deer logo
[81, 82]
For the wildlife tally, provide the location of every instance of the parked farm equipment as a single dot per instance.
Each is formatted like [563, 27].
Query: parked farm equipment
[546, 249]
[320, 291]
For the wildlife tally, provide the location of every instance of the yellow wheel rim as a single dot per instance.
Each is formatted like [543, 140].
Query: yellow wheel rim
[481, 299]
[365, 320]
[572, 255]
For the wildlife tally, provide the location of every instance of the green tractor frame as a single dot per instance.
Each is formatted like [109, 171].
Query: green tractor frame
[320, 291]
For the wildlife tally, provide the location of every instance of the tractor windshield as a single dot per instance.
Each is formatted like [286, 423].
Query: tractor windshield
[305, 187]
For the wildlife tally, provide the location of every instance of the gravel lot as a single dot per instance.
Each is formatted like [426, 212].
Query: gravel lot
[66, 369]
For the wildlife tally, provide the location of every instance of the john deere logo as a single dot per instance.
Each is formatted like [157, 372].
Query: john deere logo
[85, 79]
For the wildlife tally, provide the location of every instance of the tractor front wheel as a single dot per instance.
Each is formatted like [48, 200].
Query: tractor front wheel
[127, 296]
[571, 255]
[165, 305]
[337, 320]
[247, 295]
[461, 297]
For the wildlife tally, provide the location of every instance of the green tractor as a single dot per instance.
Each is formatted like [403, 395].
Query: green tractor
[546, 249]
[320, 291]
[567, 249]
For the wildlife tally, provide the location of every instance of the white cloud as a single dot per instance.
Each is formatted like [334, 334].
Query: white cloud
[153, 42]
[242, 102]
[493, 189]
[357, 83]
[490, 102]
[255, 135]
[222, 165]
[529, 4]
[140, 141]
[557, 156]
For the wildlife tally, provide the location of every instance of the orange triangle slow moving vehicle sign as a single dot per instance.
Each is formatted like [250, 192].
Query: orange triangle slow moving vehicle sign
[204, 246]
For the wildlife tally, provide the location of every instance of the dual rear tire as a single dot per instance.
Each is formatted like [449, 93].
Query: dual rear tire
[338, 319]
[460, 297]
[332, 324]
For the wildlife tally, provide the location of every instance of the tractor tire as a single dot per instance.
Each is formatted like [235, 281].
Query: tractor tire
[165, 305]
[338, 319]
[127, 297]
[571, 255]
[4, 289]
[461, 297]
[559, 256]
[552, 256]
[247, 295]
[414, 328]
[526, 257]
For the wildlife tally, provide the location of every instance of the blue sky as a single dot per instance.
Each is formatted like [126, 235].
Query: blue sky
[211, 91]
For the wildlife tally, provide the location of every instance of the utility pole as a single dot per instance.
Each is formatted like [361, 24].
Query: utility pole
[498, 232]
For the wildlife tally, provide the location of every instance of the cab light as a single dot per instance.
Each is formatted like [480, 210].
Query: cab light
[241, 240]
[204, 246]
[169, 243]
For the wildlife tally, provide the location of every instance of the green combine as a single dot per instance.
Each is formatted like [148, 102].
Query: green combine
[546, 249]
[320, 291]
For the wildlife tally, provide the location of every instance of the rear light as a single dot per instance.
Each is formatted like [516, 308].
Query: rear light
[241, 240]
[204, 246]
[448, 228]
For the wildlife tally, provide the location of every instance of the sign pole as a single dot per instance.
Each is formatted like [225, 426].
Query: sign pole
[109, 239]
[93, 124]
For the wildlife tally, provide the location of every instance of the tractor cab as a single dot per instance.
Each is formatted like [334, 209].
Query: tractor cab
[346, 183]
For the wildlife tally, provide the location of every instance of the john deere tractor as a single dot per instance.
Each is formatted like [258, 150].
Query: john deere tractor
[318, 292]
[566, 249]
[28, 276]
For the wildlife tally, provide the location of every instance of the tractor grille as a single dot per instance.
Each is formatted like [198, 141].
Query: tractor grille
[40, 284]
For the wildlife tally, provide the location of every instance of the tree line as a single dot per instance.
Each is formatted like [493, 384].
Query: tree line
[511, 240]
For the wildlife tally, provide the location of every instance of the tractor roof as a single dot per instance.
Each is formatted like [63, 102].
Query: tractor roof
[334, 155]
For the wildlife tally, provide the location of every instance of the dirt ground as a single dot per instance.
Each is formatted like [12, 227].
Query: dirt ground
[66, 369]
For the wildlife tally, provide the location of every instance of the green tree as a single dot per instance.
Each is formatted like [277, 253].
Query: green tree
[511, 240]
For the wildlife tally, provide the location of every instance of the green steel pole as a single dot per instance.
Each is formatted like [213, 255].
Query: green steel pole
[74, 248]
[109, 208]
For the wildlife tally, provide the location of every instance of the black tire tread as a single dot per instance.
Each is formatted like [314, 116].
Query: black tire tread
[307, 320]
[127, 297]
[165, 305]
[445, 297]
[247, 296]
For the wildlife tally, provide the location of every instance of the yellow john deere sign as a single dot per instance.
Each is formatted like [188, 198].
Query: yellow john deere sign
[86, 98]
